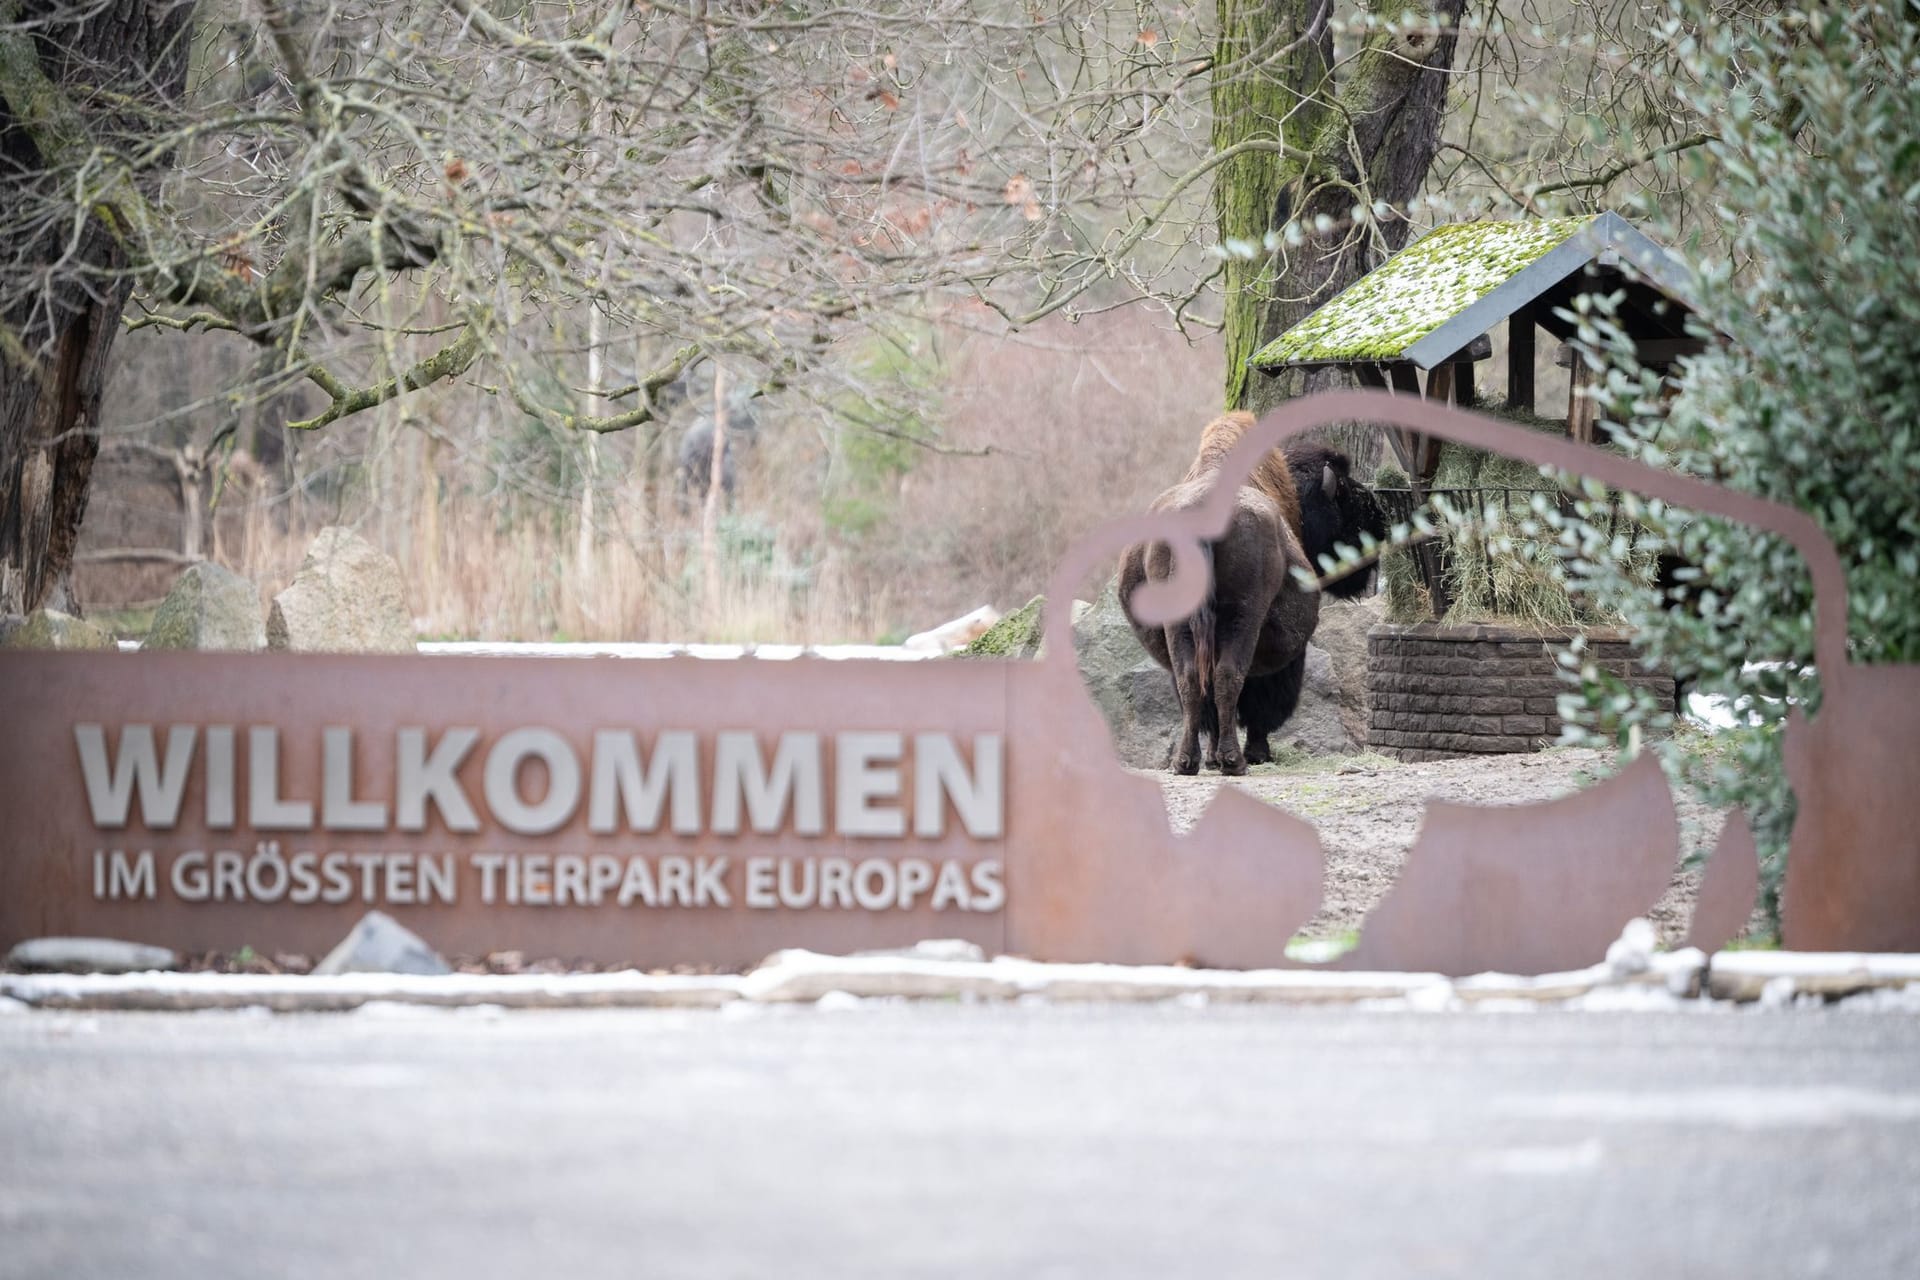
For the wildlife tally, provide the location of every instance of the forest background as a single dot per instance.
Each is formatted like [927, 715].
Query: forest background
[957, 281]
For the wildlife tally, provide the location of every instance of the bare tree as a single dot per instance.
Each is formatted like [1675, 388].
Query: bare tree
[388, 195]
[56, 335]
[385, 196]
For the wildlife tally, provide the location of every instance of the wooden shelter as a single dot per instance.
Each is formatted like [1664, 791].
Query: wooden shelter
[1420, 321]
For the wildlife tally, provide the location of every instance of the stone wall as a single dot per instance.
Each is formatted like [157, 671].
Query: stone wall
[1438, 692]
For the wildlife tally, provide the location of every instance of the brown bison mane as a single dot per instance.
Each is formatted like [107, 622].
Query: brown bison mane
[1272, 476]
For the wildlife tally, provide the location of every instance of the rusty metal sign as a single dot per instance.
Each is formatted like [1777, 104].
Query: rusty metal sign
[706, 812]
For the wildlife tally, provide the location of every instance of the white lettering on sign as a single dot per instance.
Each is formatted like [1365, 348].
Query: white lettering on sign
[741, 776]
[421, 777]
[339, 811]
[940, 775]
[269, 875]
[111, 785]
[874, 884]
[116, 876]
[221, 792]
[868, 772]
[766, 787]
[672, 772]
[266, 811]
[503, 781]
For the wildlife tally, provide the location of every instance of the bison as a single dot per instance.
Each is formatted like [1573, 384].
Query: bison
[1241, 657]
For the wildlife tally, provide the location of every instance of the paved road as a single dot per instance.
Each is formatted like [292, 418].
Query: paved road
[961, 1141]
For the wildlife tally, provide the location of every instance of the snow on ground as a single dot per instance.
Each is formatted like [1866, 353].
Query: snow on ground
[636, 649]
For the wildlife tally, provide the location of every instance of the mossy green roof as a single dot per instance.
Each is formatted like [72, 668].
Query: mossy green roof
[1417, 290]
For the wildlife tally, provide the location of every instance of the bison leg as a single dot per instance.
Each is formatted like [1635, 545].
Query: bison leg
[1258, 751]
[1187, 682]
[1238, 639]
[1266, 702]
[1226, 690]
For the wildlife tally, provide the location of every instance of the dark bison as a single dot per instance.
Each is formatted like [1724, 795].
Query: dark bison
[1335, 509]
[1241, 657]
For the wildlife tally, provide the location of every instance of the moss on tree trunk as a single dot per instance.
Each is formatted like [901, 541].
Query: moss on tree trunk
[1367, 135]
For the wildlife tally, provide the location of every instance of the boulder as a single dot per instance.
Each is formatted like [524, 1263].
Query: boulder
[208, 608]
[380, 944]
[1015, 636]
[347, 598]
[1318, 724]
[1134, 693]
[957, 634]
[1343, 634]
[89, 955]
[51, 629]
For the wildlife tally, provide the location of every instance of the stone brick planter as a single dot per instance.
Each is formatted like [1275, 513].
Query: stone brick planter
[1437, 692]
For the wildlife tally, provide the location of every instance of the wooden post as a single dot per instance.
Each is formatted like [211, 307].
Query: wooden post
[1406, 444]
[1580, 409]
[1427, 448]
[1520, 359]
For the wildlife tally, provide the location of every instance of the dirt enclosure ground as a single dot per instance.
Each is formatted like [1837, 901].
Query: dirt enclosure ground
[1368, 811]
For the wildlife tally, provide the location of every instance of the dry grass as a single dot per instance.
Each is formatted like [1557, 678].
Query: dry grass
[1033, 441]
[472, 579]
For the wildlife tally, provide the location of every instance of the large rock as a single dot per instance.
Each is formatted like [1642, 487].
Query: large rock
[1343, 634]
[51, 629]
[1318, 724]
[208, 608]
[1134, 693]
[347, 598]
[380, 944]
[1015, 636]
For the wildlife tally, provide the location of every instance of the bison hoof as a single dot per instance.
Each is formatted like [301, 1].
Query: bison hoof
[1233, 766]
[1258, 752]
[1186, 765]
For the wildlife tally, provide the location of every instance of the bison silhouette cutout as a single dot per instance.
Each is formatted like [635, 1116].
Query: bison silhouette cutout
[1535, 888]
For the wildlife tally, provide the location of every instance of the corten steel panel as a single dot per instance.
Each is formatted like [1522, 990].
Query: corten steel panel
[1527, 888]
[1728, 889]
[1091, 869]
[47, 839]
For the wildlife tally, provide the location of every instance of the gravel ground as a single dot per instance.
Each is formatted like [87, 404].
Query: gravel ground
[1368, 811]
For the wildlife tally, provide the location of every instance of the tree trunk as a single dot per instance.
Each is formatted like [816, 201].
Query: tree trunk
[1270, 82]
[61, 294]
[1369, 137]
[191, 472]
